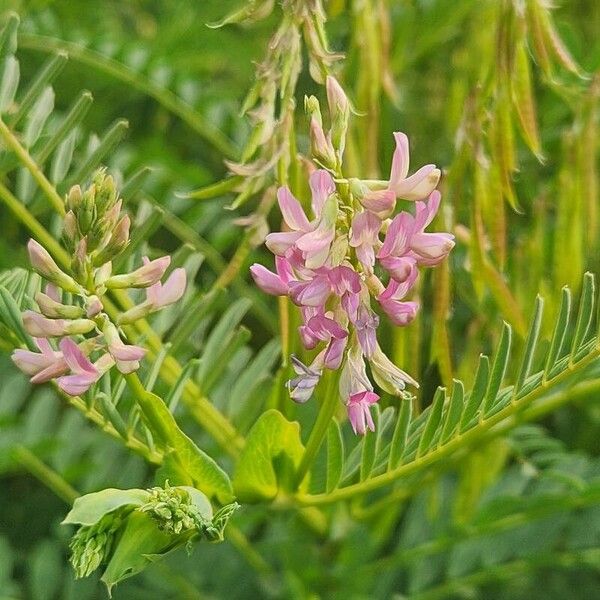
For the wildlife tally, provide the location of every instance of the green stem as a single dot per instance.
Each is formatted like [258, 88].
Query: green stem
[319, 430]
[487, 428]
[50, 478]
[35, 227]
[12, 143]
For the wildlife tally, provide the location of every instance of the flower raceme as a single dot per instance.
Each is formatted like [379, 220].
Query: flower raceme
[333, 267]
[88, 343]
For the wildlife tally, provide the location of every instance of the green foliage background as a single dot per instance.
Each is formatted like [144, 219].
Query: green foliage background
[517, 515]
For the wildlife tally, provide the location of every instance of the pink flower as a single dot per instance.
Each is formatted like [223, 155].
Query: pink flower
[310, 293]
[380, 202]
[417, 186]
[302, 387]
[431, 248]
[400, 313]
[42, 366]
[364, 236]
[346, 284]
[276, 284]
[406, 244]
[83, 372]
[147, 275]
[39, 326]
[159, 295]
[359, 411]
[314, 238]
[323, 328]
[366, 325]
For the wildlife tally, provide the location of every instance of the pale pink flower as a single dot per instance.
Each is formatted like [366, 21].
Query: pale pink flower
[417, 186]
[147, 275]
[391, 300]
[83, 373]
[39, 326]
[276, 284]
[160, 294]
[365, 236]
[302, 386]
[359, 411]
[41, 366]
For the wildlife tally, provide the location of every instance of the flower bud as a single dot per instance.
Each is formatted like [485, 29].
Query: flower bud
[339, 110]
[56, 310]
[44, 264]
[86, 215]
[106, 193]
[39, 326]
[70, 231]
[79, 260]
[93, 306]
[313, 109]
[320, 146]
[116, 244]
[74, 198]
[143, 277]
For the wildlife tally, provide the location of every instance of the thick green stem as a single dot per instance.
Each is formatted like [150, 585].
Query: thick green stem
[319, 430]
[488, 428]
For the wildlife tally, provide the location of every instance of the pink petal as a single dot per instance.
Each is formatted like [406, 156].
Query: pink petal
[291, 210]
[77, 361]
[419, 185]
[396, 238]
[75, 385]
[400, 160]
[433, 246]
[268, 281]
[127, 352]
[310, 293]
[278, 243]
[379, 201]
[335, 353]
[322, 186]
[173, 288]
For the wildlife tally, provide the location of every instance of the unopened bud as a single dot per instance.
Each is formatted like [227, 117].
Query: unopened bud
[116, 244]
[93, 306]
[106, 193]
[87, 211]
[320, 146]
[74, 198]
[79, 260]
[143, 277]
[43, 263]
[56, 310]
[70, 231]
[313, 109]
[39, 326]
[339, 110]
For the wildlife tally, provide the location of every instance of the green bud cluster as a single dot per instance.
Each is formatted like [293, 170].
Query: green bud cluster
[91, 545]
[94, 230]
[173, 510]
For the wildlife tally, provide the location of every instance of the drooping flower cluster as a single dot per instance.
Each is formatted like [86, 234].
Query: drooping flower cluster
[334, 265]
[71, 309]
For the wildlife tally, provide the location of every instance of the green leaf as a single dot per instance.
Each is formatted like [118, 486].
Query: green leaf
[585, 314]
[400, 434]
[454, 410]
[498, 368]
[194, 466]
[8, 37]
[272, 453]
[139, 544]
[9, 82]
[477, 393]
[335, 455]
[560, 332]
[530, 345]
[89, 509]
[433, 421]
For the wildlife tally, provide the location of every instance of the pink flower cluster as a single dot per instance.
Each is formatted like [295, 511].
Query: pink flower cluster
[70, 364]
[332, 266]
[90, 343]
